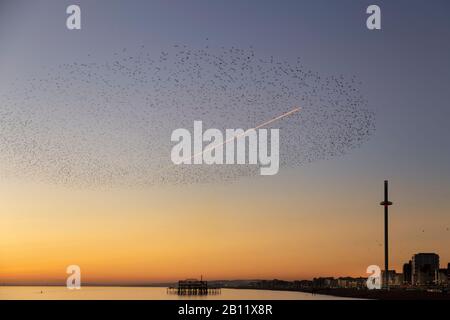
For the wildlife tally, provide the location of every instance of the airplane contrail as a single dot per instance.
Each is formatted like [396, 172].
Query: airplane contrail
[246, 131]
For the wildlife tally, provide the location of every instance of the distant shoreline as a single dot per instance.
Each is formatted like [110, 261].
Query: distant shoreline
[159, 285]
[368, 294]
[395, 294]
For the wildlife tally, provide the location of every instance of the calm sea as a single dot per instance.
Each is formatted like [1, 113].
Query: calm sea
[145, 293]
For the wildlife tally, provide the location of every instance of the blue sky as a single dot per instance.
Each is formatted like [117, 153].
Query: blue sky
[404, 67]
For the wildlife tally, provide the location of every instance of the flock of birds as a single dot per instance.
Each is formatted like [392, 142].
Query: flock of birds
[108, 122]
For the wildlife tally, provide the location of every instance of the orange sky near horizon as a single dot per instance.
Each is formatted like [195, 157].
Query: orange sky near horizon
[290, 227]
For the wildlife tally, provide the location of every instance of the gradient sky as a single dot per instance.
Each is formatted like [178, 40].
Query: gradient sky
[319, 219]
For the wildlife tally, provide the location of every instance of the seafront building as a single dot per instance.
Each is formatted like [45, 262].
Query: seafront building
[422, 272]
[425, 269]
[407, 273]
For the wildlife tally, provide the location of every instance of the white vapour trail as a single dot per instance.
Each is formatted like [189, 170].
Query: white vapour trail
[245, 132]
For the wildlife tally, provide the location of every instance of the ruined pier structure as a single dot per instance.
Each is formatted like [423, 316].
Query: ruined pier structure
[193, 287]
